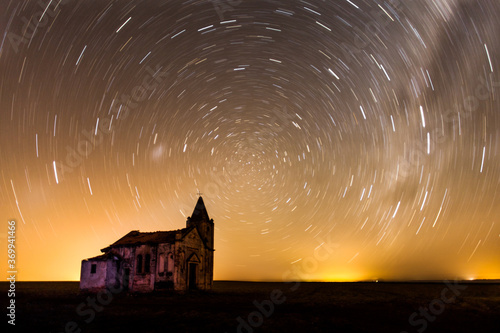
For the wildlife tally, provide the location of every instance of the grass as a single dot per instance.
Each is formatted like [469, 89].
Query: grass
[307, 307]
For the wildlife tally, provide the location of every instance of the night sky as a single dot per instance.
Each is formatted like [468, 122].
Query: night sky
[331, 140]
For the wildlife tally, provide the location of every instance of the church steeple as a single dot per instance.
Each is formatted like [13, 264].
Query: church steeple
[200, 211]
[202, 222]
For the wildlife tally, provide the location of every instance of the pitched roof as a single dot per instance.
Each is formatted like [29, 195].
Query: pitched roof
[200, 211]
[104, 257]
[136, 237]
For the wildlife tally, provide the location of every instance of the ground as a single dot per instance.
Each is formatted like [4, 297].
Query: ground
[260, 307]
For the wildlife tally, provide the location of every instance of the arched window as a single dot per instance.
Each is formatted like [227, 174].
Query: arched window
[161, 265]
[170, 262]
[139, 264]
[147, 263]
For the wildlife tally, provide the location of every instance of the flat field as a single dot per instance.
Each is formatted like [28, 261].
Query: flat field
[261, 307]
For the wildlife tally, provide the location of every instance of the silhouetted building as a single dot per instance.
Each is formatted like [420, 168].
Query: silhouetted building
[146, 261]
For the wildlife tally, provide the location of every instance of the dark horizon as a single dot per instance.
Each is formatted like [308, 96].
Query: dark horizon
[494, 281]
[264, 307]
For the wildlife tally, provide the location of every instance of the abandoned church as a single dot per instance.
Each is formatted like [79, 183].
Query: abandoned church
[146, 261]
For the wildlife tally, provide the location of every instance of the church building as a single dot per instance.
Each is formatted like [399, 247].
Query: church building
[146, 261]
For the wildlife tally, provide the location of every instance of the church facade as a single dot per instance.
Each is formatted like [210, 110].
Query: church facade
[146, 261]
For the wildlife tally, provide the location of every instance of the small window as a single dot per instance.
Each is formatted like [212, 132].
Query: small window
[93, 269]
[147, 263]
[139, 263]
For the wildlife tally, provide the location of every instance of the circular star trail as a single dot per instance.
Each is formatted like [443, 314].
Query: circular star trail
[338, 140]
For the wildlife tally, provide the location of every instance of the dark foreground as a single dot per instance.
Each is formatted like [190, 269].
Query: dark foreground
[261, 307]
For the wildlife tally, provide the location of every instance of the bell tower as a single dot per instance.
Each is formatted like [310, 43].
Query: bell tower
[202, 222]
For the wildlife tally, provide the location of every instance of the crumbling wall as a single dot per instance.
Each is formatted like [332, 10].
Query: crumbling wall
[93, 281]
[187, 249]
[144, 277]
[125, 270]
[165, 266]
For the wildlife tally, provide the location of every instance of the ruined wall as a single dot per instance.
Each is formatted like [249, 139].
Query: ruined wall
[165, 265]
[209, 269]
[122, 270]
[191, 250]
[144, 276]
[93, 281]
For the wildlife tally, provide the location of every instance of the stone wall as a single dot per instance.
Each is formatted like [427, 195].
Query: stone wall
[93, 281]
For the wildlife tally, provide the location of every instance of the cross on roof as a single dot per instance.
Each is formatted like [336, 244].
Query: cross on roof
[199, 193]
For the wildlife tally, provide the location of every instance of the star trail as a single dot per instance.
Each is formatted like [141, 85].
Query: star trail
[364, 129]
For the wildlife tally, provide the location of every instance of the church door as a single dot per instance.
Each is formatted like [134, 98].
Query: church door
[192, 275]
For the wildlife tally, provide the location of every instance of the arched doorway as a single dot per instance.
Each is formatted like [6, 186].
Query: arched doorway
[192, 279]
[193, 267]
